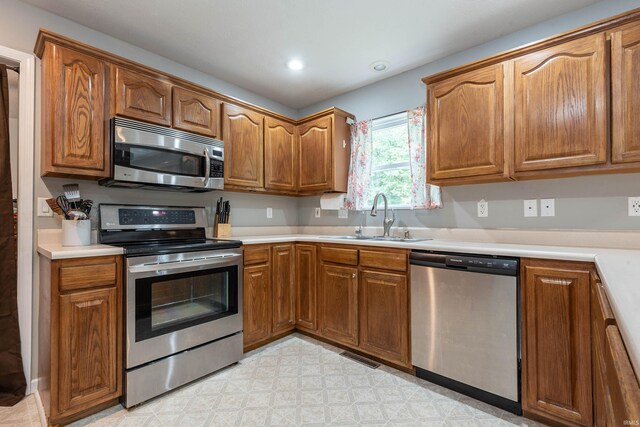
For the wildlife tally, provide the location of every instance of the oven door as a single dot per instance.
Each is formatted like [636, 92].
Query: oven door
[179, 301]
[149, 158]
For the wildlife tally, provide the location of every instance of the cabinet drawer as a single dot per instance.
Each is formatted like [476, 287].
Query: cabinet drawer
[258, 254]
[620, 379]
[388, 260]
[339, 255]
[86, 273]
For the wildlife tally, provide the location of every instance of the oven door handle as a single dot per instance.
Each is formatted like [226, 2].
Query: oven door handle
[168, 266]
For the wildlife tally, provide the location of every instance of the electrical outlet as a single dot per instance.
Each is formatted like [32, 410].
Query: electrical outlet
[43, 207]
[530, 208]
[269, 213]
[483, 209]
[343, 213]
[634, 206]
[318, 212]
[547, 207]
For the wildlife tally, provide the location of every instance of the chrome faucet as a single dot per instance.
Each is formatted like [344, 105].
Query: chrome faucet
[387, 222]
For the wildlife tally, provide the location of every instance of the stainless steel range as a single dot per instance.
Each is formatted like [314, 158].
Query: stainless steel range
[183, 296]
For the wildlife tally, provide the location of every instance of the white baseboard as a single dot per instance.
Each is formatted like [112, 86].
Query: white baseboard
[43, 417]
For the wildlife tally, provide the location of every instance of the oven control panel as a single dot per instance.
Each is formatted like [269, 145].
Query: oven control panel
[156, 216]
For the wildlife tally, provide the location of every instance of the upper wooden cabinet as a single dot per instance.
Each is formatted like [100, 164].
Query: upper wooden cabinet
[568, 107]
[75, 133]
[141, 97]
[196, 112]
[324, 150]
[625, 94]
[561, 106]
[466, 132]
[556, 341]
[315, 154]
[280, 155]
[243, 154]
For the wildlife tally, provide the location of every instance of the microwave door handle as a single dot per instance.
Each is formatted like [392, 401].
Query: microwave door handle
[213, 261]
[207, 165]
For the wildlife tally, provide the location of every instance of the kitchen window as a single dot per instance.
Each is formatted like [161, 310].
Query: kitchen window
[390, 167]
[389, 155]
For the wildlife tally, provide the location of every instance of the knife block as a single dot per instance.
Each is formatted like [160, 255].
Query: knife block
[221, 230]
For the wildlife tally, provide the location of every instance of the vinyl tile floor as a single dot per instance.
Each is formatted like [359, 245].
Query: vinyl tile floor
[299, 381]
[22, 414]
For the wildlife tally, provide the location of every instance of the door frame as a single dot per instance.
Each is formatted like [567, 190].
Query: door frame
[26, 147]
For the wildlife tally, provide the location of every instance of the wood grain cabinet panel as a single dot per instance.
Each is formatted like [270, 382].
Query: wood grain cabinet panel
[339, 303]
[84, 338]
[74, 142]
[283, 268]
[280, 155]
[383, 312]
[306, 291]
[466, 131]
[625, 94]
[622, 383]
[561, 106]
[141, 97]
[314, 147]
[244, 147]
[87, 348]
[257, 304]
[196, 112]
[556, 337]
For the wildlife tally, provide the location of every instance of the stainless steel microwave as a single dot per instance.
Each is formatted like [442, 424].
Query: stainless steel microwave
[150, 156]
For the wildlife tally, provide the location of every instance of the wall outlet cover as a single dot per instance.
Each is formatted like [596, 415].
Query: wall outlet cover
[483, 209]
[318, 212]
[547, 207]
[343, 213]
[634, 206]
[269, 213]
[530, 208]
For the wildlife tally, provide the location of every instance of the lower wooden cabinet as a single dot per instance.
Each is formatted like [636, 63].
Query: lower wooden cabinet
[283, 287]
[256, 315]
[269, 293]
[306, 287]
[384, 316]
[84, 366]
[364, 301]
[556, 341]
[339, 302]
[616, 391]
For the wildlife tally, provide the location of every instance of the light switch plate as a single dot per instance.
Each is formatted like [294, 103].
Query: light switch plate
[547, 207]
[343, 213]
[483, 209]
[43, 207]
[318, 212]
[530, 208]
[269, 213]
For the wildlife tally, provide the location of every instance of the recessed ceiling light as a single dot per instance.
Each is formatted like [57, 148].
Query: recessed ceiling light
[295, 65]
[379, 66]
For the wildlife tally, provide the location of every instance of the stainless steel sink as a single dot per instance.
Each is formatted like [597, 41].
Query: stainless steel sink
[378, 238]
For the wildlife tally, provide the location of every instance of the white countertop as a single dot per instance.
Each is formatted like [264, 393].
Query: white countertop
[619, 269]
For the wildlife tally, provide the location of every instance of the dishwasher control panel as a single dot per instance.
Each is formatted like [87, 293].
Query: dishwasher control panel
[473, 263]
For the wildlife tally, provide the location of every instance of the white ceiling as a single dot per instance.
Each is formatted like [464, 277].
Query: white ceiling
[248, 42]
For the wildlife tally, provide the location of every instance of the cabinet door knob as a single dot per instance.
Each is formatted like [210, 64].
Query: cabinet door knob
[353, 275]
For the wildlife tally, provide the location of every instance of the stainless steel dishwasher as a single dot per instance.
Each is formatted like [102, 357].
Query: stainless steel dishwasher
[465, 324]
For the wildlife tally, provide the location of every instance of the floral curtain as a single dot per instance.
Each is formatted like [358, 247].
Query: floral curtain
[360, 168]
[424, 196]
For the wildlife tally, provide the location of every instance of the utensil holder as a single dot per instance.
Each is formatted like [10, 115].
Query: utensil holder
[76, 233]
[221, 230]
